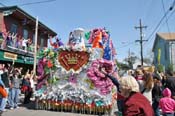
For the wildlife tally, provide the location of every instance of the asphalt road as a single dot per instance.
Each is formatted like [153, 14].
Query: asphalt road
[29, 110]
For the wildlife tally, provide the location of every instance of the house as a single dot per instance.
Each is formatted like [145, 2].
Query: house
[137, 63]
[164, 50]
[14, 20]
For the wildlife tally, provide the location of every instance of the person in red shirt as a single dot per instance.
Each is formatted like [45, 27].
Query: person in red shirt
[135, 103]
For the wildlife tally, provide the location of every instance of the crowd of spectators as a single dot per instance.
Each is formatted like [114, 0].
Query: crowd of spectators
[10, 40]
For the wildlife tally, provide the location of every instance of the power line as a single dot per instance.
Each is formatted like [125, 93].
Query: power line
[161, 20]
[2, 4]
[166, 19]
[130, 43]
[31, 3]
[159, 23]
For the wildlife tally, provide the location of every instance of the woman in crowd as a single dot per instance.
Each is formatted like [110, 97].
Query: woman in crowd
[26, 88]
[135, 103]
[139, 76]
[148, 85]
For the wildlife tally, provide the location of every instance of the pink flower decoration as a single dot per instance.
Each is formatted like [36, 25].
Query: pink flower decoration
[98, 79]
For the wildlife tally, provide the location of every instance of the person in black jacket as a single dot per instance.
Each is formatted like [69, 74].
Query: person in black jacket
[156, 93]
[170, 82]
[5, 79]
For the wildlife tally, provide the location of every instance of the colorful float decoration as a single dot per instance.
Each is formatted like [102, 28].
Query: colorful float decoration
[70, 78]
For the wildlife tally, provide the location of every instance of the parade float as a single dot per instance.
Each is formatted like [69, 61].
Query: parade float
[69, 77]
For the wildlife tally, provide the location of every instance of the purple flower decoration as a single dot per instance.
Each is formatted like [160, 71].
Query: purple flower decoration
[72, 79]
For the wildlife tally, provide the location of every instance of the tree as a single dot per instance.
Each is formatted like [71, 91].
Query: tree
[170, 67]
[131, 60]
[147, 61]
[160, 68]
[123, 66]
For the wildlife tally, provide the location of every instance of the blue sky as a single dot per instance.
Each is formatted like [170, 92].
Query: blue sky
[118, 16]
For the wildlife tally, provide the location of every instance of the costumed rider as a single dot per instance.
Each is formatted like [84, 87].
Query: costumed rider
[55, 44]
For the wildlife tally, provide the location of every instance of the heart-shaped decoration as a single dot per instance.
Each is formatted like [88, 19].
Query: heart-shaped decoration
[73, 59]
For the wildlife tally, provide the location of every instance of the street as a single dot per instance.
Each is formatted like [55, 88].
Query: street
[28, 110]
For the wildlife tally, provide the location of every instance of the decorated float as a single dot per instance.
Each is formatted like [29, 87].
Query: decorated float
[69, 77]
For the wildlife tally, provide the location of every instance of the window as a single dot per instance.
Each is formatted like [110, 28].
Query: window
[13, 28]
[42, 42]
[166, 53]
[25, 34]
[33, 38]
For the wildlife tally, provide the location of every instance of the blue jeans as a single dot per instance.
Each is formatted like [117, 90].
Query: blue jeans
[155, 107]
[14, 97]
[4, 101]
[168, 114]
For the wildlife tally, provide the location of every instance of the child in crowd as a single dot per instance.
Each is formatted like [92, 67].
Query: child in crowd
[167, 104]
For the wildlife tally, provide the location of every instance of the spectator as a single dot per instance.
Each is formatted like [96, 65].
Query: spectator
[28, 44]
[3, 45]
[9, 40]
[139, 78]
[24, 44]
[135, 103]
[156, 94]
[19, 41]
[6, 81]
[26, 88]
[170, 82]
[167, 104]
[3, 95]
[148, 85]
[3, 92]
[15, 85]
[14, 39]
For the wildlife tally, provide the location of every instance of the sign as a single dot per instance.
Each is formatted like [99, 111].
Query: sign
[10, 56]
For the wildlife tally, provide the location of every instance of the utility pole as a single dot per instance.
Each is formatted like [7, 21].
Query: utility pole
[140, 27]
[129, 58]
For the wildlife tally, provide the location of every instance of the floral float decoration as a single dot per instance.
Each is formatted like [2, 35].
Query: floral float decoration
[69, 78]
[99, 80]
